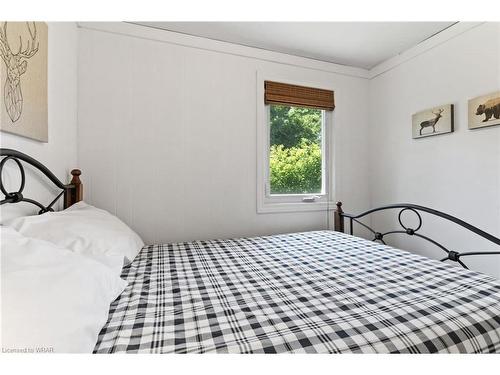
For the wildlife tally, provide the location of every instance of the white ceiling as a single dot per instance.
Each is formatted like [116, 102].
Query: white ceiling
[359, 44]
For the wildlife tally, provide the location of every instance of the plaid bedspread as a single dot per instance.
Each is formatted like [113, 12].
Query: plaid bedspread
[314, 292]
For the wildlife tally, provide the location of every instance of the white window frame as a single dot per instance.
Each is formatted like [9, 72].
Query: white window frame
[275, 203]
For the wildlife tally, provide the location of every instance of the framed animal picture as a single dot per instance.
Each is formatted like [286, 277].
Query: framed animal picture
[23, 79]
[484, 111]
[433, 121]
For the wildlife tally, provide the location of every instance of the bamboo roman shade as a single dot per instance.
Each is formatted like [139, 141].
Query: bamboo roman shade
[286, 94]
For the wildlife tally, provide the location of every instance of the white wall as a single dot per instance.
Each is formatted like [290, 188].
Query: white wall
[458, 173]
[59, 154]
[167, 132]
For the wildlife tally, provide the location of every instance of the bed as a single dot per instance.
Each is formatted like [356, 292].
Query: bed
[312, 292]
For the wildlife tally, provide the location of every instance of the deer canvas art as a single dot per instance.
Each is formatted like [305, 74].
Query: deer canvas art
[23, 79]
[438, 120]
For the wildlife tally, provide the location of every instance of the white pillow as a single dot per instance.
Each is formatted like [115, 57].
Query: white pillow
[53, 300]
[84, 229]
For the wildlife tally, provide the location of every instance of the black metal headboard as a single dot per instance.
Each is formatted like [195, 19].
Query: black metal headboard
[73, 192]
[455, 256]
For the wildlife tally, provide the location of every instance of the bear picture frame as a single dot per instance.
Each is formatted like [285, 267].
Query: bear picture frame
[484, 111]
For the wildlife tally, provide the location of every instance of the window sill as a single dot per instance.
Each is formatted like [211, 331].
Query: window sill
[275, 207]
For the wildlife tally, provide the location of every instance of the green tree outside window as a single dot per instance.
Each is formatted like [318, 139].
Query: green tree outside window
[295, 154]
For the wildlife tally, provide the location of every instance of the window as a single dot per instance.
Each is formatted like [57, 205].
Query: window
[294, 148]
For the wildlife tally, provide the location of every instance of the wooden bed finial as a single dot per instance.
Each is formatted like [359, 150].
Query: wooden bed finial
[338, 219]
[75, 194]
[76, 176]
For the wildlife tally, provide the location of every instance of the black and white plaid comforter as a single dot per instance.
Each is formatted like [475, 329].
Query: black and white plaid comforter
[304, 292]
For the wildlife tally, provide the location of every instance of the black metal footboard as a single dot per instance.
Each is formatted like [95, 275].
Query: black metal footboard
[341, 217]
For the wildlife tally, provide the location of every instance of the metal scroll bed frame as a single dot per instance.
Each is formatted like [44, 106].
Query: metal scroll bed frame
[340, 217]
[73, 192]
